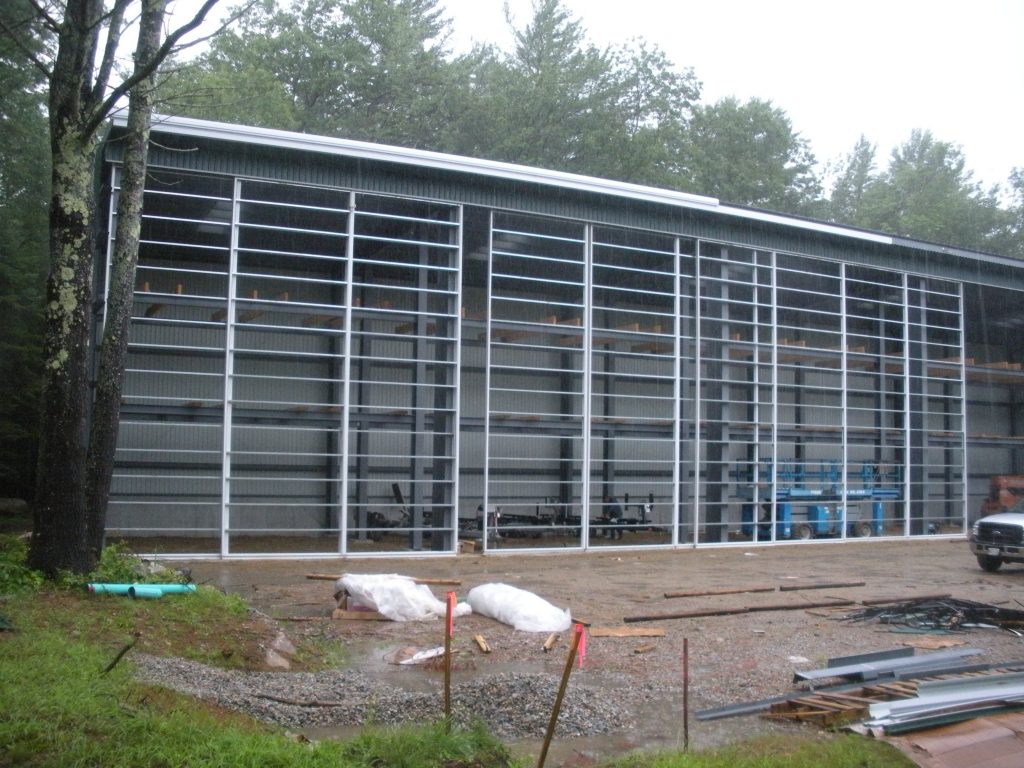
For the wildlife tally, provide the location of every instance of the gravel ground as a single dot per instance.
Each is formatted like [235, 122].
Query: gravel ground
[628, 689]
[514, 706]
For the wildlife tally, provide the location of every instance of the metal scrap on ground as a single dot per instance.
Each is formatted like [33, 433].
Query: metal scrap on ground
[764, 588]
[942, 615]
[865, 679]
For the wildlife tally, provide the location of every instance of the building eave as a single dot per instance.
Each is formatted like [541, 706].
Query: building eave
[289, 140]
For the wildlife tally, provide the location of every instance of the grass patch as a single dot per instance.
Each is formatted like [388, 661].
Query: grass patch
[411, 748]
[319, 652]
[812, 751]
[205, 625]
[59, 710]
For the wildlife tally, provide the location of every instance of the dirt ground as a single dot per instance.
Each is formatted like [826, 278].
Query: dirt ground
[731, 658]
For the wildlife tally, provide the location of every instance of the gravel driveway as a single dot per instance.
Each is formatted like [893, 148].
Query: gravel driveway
[628, 692]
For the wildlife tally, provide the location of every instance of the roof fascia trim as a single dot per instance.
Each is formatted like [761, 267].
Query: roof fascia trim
[382, 152]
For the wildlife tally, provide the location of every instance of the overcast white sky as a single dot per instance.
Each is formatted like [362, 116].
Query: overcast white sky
[838, 68]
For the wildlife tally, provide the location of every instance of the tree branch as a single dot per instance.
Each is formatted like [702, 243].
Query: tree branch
[11, 34]
[239, 13]
[145, 69]
[115, 29]
[43, 15]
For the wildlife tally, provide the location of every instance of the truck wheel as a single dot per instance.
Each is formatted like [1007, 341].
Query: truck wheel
[803, 531]
[862, 529]
[989, 563]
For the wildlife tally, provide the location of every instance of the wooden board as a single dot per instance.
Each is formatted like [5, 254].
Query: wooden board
[626, 632]
[721, 591]
[336, 576]
[341, 613]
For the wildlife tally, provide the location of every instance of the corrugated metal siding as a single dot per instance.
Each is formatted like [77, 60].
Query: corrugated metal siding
[393, 179]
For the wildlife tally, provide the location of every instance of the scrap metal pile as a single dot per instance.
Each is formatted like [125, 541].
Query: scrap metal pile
[945, 614]
[892, 691]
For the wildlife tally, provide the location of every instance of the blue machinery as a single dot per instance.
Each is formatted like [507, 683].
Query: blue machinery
[822, 519]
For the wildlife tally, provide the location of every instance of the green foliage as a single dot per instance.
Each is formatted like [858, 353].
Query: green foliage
[1010, 242]
[548, 101]
[15, 575]
[750, 154]
[557, 101]
[853, 176]
[366, 69]
[119, 565]
[926, 192]
[24, 192]
[847, 751]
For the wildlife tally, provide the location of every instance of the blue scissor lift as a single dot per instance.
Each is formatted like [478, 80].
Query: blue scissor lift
[820, 508]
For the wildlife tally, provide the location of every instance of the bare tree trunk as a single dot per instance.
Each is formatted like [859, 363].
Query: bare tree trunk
[57, 542]
[71, 495]
[60, 480]
[114, 347]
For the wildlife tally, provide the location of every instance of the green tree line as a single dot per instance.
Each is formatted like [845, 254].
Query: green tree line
[383, 71]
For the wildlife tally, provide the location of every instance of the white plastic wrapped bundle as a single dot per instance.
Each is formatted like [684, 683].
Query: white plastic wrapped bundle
[524, 610]
[399, 598]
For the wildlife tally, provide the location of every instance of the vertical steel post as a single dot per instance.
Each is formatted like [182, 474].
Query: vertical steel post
[229, 373]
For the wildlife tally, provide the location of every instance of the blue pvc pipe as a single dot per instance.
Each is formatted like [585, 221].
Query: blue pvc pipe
[145, 591]
[174, 589]
[126, 589]
[108, 589]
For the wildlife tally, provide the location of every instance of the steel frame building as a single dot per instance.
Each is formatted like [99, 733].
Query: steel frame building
[347, 348]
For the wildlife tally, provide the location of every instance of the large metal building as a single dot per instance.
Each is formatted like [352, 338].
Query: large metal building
[347, 348]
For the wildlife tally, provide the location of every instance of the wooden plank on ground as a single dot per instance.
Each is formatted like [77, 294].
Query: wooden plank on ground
[723, 591]
[341, 613]
[336, 576]
[734, 611]
[627, 632]
[820, 585]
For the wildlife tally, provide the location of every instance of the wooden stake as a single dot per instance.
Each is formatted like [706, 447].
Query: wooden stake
[550, 642]
[573, 647]
[120, 654]
[448, 631]
[686, 694]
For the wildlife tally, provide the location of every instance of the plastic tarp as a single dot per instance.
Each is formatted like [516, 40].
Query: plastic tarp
[398, 597]
[524, 610]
